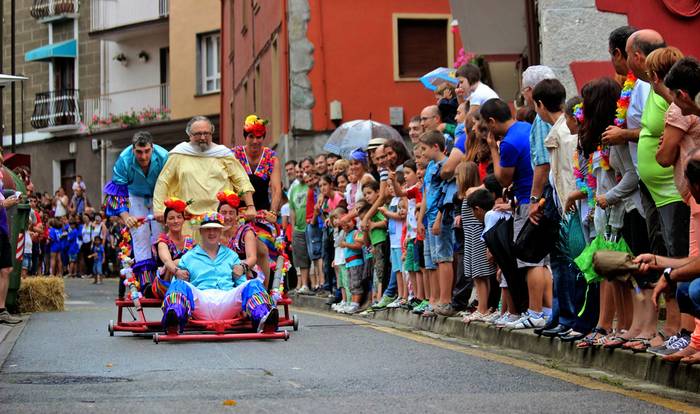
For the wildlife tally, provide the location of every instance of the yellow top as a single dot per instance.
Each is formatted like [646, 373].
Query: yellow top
[198, 179]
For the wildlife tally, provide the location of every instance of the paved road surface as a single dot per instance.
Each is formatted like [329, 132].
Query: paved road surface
[66, 362]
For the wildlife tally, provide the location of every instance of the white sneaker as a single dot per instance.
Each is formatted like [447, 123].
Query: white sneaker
[519, 319]
[335, 306]
[503, 319]
[492, 318]
[351, 308]
[529, 323]
[473, 317]
[395, 304]
[303, 290]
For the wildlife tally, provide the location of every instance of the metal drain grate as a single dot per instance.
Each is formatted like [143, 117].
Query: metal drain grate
[57, 379]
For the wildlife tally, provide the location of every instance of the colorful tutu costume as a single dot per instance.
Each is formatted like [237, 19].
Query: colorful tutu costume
[131, 190]
[160, 286]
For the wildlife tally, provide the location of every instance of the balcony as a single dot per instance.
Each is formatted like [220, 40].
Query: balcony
[128, 108]
[54, 10]
[117, 20]
[56, 111]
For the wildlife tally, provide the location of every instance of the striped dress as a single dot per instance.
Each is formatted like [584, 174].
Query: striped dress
[476, 264]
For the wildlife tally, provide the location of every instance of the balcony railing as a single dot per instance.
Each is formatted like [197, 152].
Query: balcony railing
[56, 109]
[48, 9]
[127, 108]
[109, 14]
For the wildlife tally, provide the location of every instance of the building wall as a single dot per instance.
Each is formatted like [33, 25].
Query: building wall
[574, 30]
[353, 62]
[187, 19]
[254, 68]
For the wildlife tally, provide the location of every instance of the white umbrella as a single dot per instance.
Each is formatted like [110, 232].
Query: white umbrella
[356, 134]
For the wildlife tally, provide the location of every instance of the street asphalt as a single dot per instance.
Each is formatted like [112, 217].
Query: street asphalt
[67, 363]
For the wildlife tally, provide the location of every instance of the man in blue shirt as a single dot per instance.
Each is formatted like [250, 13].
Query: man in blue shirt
[130, 196]
[512, 165]
[211, 285]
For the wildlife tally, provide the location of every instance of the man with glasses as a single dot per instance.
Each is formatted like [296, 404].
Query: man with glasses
[129, 195]
[197, 170]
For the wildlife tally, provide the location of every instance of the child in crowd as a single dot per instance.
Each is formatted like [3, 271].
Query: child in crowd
[423, 275]
[396, 215]
[314, 231]
[78, 183]
[340, 167]
[56, 247]
[377, 238]
[341, 183]
[352, 246]
[74, 237]
[339, 258]
[439, 237]
[477, 201]
[97, 255]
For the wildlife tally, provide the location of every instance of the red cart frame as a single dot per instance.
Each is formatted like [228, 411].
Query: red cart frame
[197, 330]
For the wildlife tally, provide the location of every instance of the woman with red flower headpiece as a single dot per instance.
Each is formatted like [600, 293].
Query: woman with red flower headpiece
[170, 246]
[262, 166]
[241, 237]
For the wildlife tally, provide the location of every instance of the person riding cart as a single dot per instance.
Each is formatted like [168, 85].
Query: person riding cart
[210, 284]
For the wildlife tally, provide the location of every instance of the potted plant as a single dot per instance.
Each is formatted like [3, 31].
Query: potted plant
[121, 58]
[143, 56]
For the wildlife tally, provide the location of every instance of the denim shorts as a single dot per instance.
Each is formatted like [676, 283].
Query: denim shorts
[314, 241]
[440, 248]
[27, 261]
[396, 264]
[97, 268]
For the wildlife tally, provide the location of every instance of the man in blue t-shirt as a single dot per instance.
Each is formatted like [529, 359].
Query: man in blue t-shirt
[512, 166]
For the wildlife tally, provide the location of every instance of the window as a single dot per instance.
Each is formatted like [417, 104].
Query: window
[421, 44]
[68, 175]
[208, 52]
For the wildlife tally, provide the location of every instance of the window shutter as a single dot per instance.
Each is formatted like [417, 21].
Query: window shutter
[422, 46]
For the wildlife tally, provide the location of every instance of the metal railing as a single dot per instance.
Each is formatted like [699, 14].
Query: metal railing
[124, 102]
[107, 14]
[48, 8]
[56, 108]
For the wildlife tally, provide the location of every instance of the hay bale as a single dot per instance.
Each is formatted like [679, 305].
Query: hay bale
[41, 294]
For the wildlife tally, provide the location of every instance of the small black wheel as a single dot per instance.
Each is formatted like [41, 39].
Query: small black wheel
[110, 328]
[155, 338]
[295, 322]
[286, 336]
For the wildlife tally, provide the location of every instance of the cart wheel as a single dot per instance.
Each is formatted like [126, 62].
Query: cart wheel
[155, 338]
[110, 328]
[295, 322]
[286, 336]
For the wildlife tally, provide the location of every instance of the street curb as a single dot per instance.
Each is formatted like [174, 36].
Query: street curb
[10, 339]
[641, 366]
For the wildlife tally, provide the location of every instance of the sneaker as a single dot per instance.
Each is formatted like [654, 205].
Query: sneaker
[444, 310]
[527, 322]
[384, 302]
[463, 313]
[429, 312]
[395, 304]
[304, 291]
[5, 317]
[672, 345]
[505, 320]
[350, 308]
[414, 302]
[492, 318]
[420, 308]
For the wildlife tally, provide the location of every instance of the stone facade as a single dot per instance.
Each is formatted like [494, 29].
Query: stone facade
[574, 30]
[301, 61]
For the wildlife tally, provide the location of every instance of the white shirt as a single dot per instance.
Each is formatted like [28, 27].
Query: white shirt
[27, 243]
[639, 96]
[395, 225]
[481, 94]
[284, 211]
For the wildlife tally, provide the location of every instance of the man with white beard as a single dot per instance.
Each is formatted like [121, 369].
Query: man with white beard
[198, 169]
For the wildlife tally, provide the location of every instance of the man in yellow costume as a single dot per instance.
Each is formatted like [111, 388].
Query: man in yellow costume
[198, 169]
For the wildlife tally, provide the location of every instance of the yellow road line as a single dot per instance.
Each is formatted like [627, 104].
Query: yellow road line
[585, 382]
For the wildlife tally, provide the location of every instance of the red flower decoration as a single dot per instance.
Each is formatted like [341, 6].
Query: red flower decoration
[229, 198]
[176, 204]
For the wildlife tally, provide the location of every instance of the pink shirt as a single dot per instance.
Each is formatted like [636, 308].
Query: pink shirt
[691, 139]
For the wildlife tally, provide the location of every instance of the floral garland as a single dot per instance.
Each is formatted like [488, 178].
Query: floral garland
[578, 112]
[624, 102]
[587, 183]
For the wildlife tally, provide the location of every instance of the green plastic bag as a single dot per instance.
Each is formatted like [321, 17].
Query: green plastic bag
[584, 261]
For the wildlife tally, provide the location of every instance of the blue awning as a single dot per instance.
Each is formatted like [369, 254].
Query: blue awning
[67, 49]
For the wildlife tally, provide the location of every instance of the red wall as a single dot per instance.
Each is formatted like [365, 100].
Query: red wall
[353, 59]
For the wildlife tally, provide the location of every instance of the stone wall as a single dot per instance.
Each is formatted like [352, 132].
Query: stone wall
[301, 61]
[574, 30]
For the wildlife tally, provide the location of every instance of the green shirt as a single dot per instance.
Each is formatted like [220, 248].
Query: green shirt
[377, 236]
[659, 180]
[297, 203]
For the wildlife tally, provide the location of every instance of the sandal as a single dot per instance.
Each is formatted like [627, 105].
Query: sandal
[591, 338]
[615, 342]
[639, 344]
[605, 339]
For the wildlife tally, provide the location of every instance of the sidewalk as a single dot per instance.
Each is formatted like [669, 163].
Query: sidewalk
[8, 337]
[641, 366]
